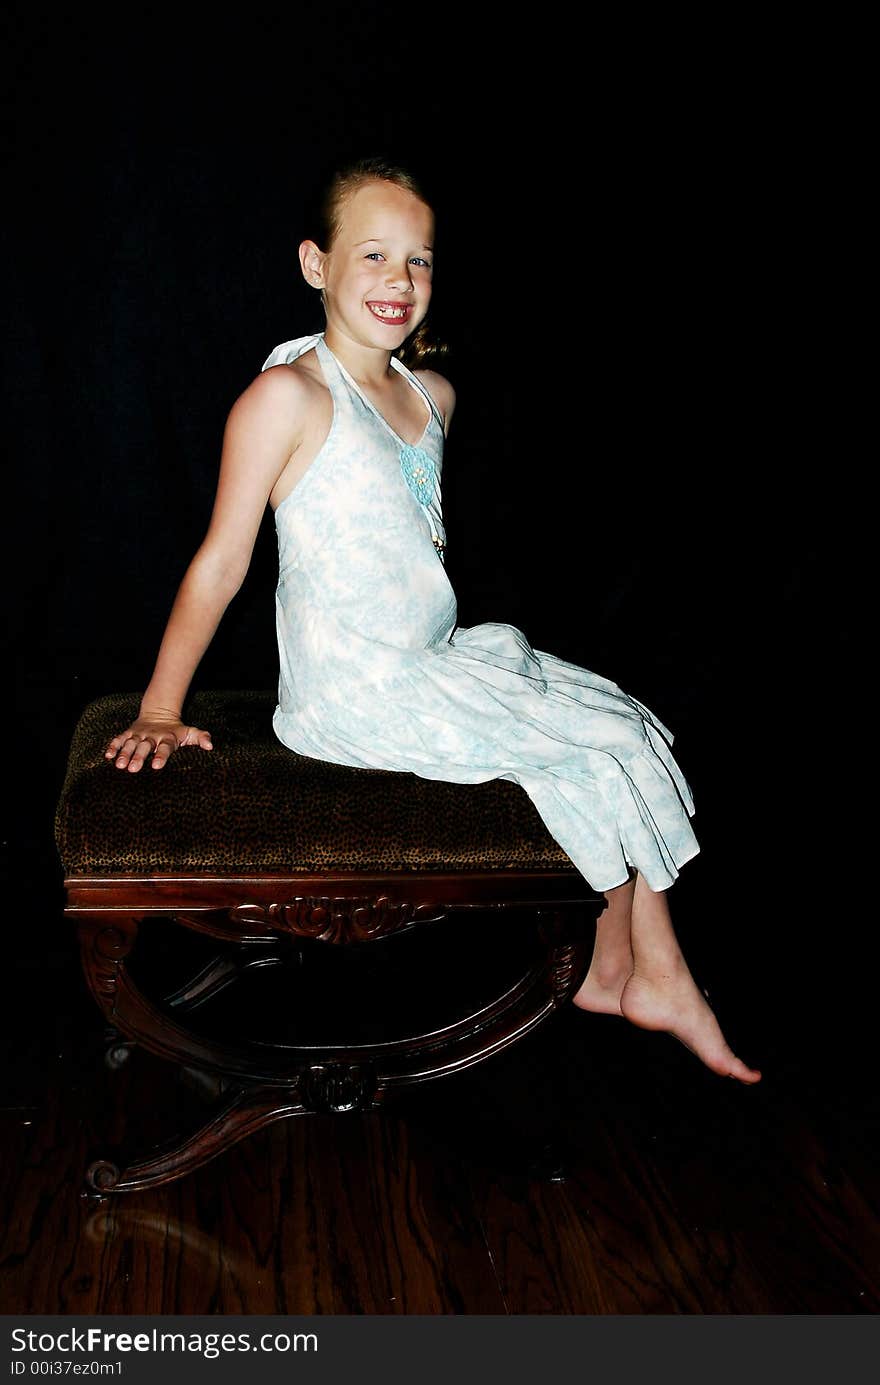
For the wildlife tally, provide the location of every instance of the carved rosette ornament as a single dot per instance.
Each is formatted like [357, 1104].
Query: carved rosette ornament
[341, 920]
[337, 1087]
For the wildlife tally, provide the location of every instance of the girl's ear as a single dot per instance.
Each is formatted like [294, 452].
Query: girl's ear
[311, 261]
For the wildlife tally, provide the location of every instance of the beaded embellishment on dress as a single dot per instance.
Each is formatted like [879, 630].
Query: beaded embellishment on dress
[418, 472]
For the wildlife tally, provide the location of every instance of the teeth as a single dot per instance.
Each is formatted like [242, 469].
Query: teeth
[387, 312]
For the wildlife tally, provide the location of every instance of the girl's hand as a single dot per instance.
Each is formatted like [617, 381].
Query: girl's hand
[154, 736]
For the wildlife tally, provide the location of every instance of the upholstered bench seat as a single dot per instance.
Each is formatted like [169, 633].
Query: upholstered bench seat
[267, 855]
[251, 805]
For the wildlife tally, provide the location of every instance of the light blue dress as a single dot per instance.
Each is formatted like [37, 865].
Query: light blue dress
[375, 672]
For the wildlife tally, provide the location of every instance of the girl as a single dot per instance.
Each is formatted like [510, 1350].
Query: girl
[344, 441]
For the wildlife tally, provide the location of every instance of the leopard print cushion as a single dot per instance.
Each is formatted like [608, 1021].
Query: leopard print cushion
[251, 806]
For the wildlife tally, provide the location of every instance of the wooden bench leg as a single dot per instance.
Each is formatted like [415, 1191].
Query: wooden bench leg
[261, 1083]
[237, 1116]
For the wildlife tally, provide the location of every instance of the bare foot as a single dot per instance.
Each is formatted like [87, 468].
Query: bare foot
[602, 989]
[673, 1002]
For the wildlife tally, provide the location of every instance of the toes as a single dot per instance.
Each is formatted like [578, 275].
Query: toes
[748, 1075]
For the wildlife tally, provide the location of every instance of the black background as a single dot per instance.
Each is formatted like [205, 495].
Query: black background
[649, 470]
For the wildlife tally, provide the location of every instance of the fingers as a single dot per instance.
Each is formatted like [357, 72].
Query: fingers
[121, 749]
[194, 736]
[163, 751]
[134, 747]
[134, 750]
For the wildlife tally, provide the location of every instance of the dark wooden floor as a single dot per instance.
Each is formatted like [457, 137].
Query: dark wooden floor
[685, 1193]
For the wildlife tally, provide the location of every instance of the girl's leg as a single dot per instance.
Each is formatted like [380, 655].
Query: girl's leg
[612, 962]
[659, 992]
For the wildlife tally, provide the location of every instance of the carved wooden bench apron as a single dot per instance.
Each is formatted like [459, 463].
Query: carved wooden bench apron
[267, 856]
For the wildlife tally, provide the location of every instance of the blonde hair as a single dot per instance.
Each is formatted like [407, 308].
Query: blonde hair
[422, 347]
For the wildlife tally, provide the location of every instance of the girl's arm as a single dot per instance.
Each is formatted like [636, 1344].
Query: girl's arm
[262, 433]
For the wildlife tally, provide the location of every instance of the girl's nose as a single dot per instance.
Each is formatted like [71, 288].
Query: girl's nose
[399, 277]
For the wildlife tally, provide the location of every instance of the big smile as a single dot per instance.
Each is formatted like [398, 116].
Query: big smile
[390, 312]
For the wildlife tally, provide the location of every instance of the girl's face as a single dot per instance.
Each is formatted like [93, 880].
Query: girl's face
[376, 276]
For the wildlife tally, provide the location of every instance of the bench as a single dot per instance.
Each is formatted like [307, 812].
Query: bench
[194, 887]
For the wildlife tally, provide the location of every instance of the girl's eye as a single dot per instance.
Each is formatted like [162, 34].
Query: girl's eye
[416, 259]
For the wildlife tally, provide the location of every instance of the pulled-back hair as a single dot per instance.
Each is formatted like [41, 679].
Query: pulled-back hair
[421, 347]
